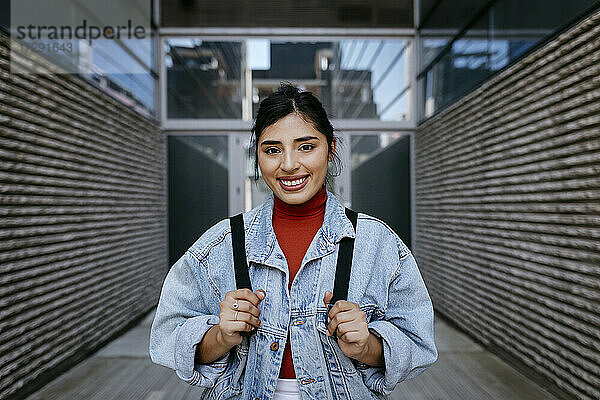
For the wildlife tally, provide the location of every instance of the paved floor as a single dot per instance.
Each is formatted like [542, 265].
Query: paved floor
[123, 370]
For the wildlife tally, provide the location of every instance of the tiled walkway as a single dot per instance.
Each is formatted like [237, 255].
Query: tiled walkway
[122, 370]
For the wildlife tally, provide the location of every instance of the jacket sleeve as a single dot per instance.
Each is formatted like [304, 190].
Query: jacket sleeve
[406, 330]
[187, 309]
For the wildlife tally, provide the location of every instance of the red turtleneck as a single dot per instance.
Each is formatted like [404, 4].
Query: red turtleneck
[295, 226]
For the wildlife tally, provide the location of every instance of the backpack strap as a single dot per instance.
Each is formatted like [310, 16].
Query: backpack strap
[342, 270]
[238, 238]
[240, 264]
[344, 264]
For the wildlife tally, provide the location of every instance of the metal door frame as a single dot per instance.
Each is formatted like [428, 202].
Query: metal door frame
[232, 127]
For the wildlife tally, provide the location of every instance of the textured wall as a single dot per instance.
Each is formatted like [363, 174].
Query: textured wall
[508, 211]
[82, 222]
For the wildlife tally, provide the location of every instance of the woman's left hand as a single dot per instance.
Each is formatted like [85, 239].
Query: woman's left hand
[349, 323]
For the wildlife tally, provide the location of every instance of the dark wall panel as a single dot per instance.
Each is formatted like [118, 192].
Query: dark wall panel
[508, 212]
[287, 13]
[82, 221]
[381, 187]
[198, 195]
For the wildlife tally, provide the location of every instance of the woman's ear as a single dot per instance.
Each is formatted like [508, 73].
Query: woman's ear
[332, 153]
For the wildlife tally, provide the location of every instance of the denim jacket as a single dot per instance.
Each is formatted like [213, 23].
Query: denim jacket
[385, 282]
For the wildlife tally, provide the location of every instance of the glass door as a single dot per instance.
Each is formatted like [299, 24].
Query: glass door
[198, 187]
[379, 170]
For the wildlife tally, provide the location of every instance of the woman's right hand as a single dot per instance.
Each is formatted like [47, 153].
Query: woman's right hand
[247, 315]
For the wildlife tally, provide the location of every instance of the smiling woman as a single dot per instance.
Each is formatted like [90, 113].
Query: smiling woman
[293, 144]
[303, 250]
[293, 157]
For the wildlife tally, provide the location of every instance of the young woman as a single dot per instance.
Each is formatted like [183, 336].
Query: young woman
[299, 346]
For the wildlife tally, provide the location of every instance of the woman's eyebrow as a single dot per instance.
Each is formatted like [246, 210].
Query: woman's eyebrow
[300, 139]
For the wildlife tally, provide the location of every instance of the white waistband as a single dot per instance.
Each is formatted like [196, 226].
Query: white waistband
[286, 389]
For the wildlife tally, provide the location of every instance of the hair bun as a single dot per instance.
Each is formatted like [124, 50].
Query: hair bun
[288, 89]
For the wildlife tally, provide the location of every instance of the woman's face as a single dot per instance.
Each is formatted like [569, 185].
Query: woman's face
[293, 156]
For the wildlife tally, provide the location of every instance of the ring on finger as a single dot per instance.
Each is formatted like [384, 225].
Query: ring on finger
[235, 305]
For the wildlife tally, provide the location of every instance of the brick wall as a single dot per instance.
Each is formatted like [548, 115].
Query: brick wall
[508, 212]
[82, 221]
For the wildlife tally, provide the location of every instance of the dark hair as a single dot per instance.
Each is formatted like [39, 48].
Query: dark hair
[288, 99]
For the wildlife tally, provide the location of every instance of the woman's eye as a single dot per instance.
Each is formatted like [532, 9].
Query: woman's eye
[271, 150]
[307, 147]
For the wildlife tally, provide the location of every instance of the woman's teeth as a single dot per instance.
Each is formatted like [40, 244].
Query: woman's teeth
[294, 182]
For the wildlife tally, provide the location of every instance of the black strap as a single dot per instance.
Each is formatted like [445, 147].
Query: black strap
[342, 270]
[240, 264]
[242, 277]
[344, 263]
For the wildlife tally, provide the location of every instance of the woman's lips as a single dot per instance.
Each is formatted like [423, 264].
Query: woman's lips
[293, 188]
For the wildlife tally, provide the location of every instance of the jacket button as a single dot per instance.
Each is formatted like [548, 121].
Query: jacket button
[274, 346]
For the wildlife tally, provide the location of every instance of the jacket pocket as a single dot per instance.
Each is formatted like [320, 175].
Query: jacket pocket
[336, 360]
[241, 350]
[239, 367]
[230, 384]
[222, 389]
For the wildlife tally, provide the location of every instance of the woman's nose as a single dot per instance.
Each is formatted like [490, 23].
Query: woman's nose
[290, 162]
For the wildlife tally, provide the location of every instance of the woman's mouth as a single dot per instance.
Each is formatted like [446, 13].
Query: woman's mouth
[293, 185]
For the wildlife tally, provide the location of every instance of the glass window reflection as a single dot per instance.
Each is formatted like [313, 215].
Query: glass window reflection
[504, 31]
[355, 79]
[203, 79]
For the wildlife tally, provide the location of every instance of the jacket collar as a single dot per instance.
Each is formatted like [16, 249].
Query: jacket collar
[261, 242]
